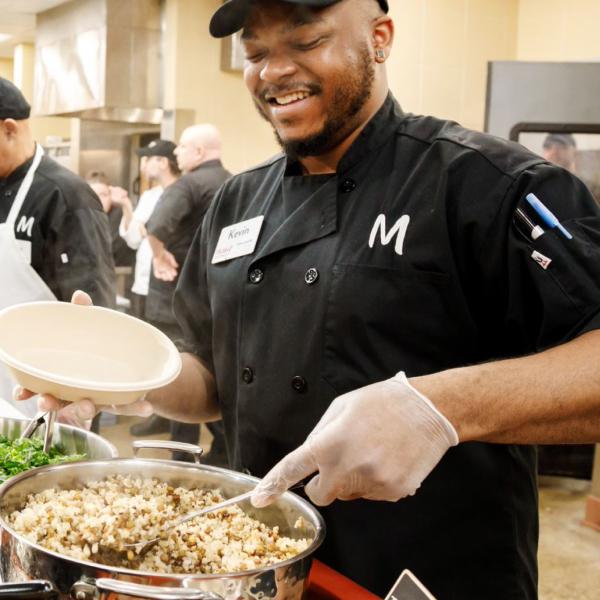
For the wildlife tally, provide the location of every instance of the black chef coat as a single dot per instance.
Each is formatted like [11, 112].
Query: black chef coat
[123, 255]
[174, 222]
[63, 220]
[327, 304]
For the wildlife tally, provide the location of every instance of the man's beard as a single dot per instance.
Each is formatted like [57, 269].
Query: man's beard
[349, 98]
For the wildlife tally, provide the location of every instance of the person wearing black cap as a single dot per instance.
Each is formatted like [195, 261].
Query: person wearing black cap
[54, 235]
[171, 228]
[381, 305]
[160, 165]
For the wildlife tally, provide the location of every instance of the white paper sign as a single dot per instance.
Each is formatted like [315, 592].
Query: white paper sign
[237, 240]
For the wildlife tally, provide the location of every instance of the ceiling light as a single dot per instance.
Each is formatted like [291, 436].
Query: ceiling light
[4, 37]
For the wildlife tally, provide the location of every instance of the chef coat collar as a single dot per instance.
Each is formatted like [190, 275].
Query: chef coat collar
[18, 173]
[373, 136]
[215, 162]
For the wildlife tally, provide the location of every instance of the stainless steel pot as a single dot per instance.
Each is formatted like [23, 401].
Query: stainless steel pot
[71, 440]
[21, 560]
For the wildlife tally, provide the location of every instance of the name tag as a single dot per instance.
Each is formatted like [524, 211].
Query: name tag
[24, 248]
[237, 240]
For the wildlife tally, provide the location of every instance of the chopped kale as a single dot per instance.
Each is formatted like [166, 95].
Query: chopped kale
[20, 455]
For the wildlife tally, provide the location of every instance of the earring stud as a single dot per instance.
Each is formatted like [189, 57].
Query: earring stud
[379, 53]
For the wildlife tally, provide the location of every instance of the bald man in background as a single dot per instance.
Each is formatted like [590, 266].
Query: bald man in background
[171, 229]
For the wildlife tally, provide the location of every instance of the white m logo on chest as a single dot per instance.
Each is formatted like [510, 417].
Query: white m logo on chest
[25, 225]
[399, 230]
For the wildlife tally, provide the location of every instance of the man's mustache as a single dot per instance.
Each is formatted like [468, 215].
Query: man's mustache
[280, 90]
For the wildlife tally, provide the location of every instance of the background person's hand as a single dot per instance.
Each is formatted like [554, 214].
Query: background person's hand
[165, 266]
[82, 412]
[119, 196]
[378, 442]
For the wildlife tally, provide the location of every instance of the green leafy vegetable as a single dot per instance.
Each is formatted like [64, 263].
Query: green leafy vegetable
[17, 456]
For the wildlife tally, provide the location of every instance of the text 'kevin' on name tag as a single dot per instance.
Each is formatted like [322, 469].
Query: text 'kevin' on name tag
[237, 240]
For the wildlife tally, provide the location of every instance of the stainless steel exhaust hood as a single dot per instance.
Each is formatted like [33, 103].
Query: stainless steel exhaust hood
[101, 60]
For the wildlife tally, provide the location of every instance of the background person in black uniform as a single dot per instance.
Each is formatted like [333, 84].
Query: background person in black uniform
[389, 242]
[161, 166]
[51, 217]
[171, 229]
[63, 224]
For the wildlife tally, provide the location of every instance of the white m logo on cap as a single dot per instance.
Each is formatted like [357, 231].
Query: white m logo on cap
[25, 225]
[399, 230]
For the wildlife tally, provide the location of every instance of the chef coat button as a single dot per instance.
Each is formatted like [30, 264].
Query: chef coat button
[247, 375]
[256, 275]
[311, 276]
[299, 384]
[348, 185]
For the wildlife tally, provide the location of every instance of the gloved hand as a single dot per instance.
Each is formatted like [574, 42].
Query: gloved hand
[378, 442]
[80, 413]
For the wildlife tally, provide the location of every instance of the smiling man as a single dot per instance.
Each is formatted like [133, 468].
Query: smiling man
[380, 242]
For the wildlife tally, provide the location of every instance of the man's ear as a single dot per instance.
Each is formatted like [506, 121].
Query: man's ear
[11, 128]
[383, 36]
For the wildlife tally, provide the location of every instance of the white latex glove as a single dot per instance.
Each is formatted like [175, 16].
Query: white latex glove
[378, 442]
[81, 413]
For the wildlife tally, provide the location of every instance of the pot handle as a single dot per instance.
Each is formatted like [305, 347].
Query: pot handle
[192, 449]
[151, 592]
[29, 590]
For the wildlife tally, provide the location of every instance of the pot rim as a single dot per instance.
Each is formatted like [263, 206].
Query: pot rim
[233, 475]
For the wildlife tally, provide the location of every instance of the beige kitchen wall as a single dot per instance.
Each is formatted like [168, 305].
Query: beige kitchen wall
[439, 62]
[6, 68]
[559, 30]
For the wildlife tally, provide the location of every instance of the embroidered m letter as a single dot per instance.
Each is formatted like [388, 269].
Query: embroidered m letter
[399, 230]
[25, 225]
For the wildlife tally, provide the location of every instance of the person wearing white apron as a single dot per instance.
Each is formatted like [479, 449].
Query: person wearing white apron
[19, 282]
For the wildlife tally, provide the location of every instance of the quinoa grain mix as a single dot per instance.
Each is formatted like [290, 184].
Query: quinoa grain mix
[122, 510]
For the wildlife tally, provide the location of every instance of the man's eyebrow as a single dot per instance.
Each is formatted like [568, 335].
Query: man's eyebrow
[298, 20]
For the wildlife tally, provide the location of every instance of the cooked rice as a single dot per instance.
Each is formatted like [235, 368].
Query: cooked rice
[121, 510]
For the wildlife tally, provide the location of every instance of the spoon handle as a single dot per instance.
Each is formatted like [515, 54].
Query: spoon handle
[214, 507]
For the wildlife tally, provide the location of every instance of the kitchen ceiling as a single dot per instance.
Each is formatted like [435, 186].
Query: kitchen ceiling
[18, 21]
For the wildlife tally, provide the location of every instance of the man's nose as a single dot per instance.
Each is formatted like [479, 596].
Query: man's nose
[277, 68]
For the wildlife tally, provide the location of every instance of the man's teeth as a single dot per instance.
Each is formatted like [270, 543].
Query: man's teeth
[292, 97]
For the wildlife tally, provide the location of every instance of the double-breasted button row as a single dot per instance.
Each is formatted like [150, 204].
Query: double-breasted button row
[299, 384]
[247, 375]
[311, 276]
[256, 275]
[347, 186]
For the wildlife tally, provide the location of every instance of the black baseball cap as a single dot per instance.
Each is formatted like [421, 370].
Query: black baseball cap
[12, 102]
[158, 148]
[230, 17]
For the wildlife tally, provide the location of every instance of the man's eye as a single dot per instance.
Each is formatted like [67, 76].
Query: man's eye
[255, 58]
[308, 45]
